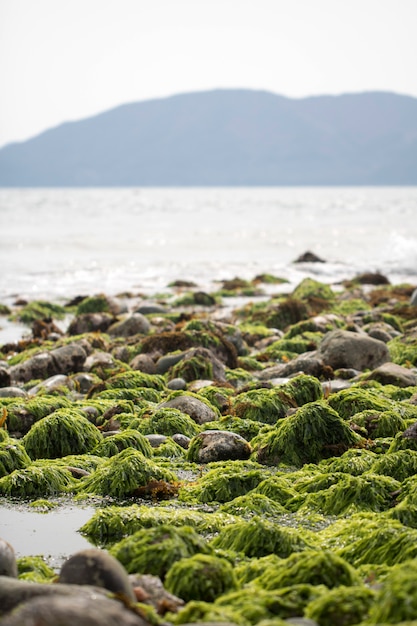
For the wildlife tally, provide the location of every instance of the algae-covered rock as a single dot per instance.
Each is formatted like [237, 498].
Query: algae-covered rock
[35, 569]
[198, 363]
[400, 465]
[349, 402]
[155, 550]
[168, 421]
[37, 480]
[253, 504]
[396, 601]
[134, 379]
[379, 423]
[12, 456]
[218, 445]
[198, 408]
[303, 389]
[355, 461]
[22, 414]
[200, 577]
[343, 606]
[312, 567]
[261, 405]
[258, 537]
[109, 446]
[123, 474]
[63, 432]
[403, 349]
[314, 432]
[393, 374]
[343, 348]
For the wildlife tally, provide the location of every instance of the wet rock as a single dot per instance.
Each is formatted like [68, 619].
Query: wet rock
[177, 384]
[143, 363]
[97, 568]
[12, 392]
[98, 359]
[195, 408]
[135, 324]
[69, 358]
[343, 348]
[62, 360]
[413, 299]
[8, 565]
[182, 440]
[382, 331]
[309, 257]
[52, 384]
[90, 323]
[150, 590]
[121, 353]
[309, 363]
[84, 382]
[371, 278]
[204, 299]
[199, 363]
[167, 361]
[5, 379]
[393, 374]
[156, 440]
[67, 610]
[218, 445]
[149, 308]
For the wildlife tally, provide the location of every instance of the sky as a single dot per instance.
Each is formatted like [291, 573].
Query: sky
[63, 60]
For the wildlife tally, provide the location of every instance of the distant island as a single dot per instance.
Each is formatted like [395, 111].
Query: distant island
[226, 137]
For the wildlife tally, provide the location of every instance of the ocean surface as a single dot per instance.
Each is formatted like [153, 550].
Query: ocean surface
[56, 243]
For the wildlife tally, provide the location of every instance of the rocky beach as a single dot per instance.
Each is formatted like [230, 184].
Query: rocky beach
[249, 453]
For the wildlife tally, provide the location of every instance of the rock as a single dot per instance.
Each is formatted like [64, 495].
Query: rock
[343, 348]
[156, 440]
[62, 360]
[199, 363]
[195, 408]
[308, 363]
[309, 257]
[8, 564]
[150, 308]
[181, 440]
[204, 299]
[371, 278]
[135, 324]
[84, 381]
[150, 590]
[98, 568]
[70, 609]
[90, 323]
[52, 384]
[121, 353]
[382, 331]
[143, 363]
[177, 384]
[12, 392]
[164, 363]
[70, 358]
[5, 379]
[393, 374]
[98, 359]
[218, 445]
[413, 299]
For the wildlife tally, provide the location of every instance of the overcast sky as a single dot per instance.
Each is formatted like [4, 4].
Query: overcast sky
[68, 59]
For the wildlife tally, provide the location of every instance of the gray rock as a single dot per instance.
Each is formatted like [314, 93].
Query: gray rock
[308, 363]
[121, 353]
[98, 359]
[220, 445]
[52, 384]
[39, 366]
[156, 440]
[8, 565]
[135, 324]
[67, 610]
[195, 408]
[150, 590]
[143, 363]
[12, 392]
[5, 379]
[181, 440]
[168, 360]
[177, 384]
[343, 348]
[84, 381]
[413, 299]
[393, 374]
[90, 323]
[98, 568]
[150, 308]
[333, 386]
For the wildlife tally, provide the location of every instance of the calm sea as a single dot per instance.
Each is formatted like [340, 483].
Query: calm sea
[56, 243]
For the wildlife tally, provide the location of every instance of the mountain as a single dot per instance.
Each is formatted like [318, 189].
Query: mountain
[227, 137]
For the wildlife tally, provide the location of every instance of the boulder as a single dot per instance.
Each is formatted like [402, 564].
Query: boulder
[195, 408]
[8, 564]
[90, 323]
[5, 379]
[344, 348]
[143, 363]
[64, 360]
[135, 324]
[218, 445]
[393, 374]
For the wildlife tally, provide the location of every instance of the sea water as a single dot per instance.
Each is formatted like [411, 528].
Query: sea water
[56, 243]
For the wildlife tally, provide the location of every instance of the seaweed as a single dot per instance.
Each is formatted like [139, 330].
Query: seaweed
[258, 537]
[311, 567]
[135, 379]
[66, 431]
[93, 304]
[379, 424]
[200, 577]
[140, 396]
[155, 550]
[247, 570]
[35, 569]
[12, 456]
[260, 405]
[170, 449]
[400, 465]
[37, 480]
[251, 504]
[22, 414]
[218, 396]
[194, 367]
[166, 421]
[356, 399]
[122, 474]
[403, 349]
[39, 310]
[278, 488]
[343, 606]
[397, 599]
[314, 432]
[109, 446]
[246, 428]
[198, 611]
[355, 461]
[303, 389]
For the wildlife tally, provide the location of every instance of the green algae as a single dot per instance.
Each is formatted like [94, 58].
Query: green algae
[396, 601]
[277, 488]
[379, 424]
[93, 304]
[303, 389]
[310, 289]
[223, 483]
[343, 606]
[311, 567]
[115, 522]
[121, 475]
[109, 446]
[12, 456]
[37, 480]
[34, 569]
[200, 577]
[61, 433]
[253, 504]
[403, 349]
[247, 570]
[39, 310]
[140, 396]
[170, 449]
[355, 461]
[356, 399]
[314, 432]
[248, 429]
[193, 368]
[402, 441]
[238, 377]
[218, 396]
[293, 346]
[197, 611]
[400, 465]
[258, 537]
[21, 414]
[134, 379]
[167, 421]
[155, 550]
[260, 405]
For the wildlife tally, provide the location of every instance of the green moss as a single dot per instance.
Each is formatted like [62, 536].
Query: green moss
[123, 473]
[34, 569]
[109, 446]
[155, 550]
[253, 504]
[258, 537]
[37, 480]
[260, 405]
[63, 432]
[40, 309]
[223, 484]
[314, 432]
[343, 606]
[166, 421]
[397, 600]
[311, 567]
[200, 577]
[12, 456]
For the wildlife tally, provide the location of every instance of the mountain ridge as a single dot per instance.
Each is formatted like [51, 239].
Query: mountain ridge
[226, 137]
